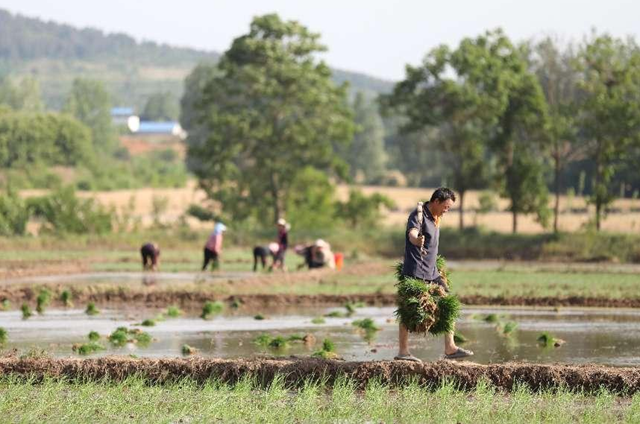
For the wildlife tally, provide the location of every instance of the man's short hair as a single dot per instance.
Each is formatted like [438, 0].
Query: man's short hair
[443, 193]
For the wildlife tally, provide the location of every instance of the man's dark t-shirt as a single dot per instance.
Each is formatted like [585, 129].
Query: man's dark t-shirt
[417, 265]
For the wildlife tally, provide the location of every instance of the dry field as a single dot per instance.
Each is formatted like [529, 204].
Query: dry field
[179, 200]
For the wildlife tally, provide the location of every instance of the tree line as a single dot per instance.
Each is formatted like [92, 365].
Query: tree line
[486, 114]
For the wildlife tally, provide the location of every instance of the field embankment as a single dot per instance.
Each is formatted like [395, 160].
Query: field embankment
[295, 372]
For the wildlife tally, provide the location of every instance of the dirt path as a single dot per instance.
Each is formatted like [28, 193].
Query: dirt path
[466, 375]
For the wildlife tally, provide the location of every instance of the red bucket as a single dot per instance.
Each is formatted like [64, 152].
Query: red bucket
[339, 257]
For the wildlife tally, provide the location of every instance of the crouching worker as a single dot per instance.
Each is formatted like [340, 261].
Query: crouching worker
[213, 247]
[317, 255]
[150, 256]
[262, 252]
[424, 302]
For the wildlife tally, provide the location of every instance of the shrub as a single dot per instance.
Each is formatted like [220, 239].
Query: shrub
[63, 212]
[14, 214]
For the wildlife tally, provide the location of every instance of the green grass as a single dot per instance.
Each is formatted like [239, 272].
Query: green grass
[4, 335]
[185, 401]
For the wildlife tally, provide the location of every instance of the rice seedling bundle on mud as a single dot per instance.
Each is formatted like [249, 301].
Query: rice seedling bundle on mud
[426, 307]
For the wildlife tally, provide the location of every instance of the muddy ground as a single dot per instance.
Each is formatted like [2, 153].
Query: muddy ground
[295, 371]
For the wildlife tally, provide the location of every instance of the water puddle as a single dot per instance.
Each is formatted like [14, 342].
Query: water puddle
[592, 336]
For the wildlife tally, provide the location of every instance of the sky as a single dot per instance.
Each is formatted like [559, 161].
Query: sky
[377, 37]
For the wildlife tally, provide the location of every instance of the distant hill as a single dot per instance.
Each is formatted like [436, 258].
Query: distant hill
[56, 54]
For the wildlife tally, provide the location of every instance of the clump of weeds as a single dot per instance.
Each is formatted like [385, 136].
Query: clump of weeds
[87, 348]
[328, 350]
[211, 308]
[188, 350]
[4, 336]
[65, 298]
[26, 311]
[91, 309]
[93, 336]
[318, 320]
[173, 312]
[42, 301]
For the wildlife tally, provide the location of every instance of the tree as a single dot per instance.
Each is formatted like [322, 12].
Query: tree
[23, 96]
[517, 110]
[609, 108]
[558, 78]
[89, 102]
[271, 112]
[365, 154]
[435, 95]
[361, 209]
[161, 107]
[47, 139]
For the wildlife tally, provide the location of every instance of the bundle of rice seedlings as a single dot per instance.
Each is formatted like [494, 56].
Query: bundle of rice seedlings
[142, 338]
[335, 314]
[366, 324]
[26, 311]
[188, 350]
[91, 309]
[509, 328]
[211, 308]
[258, 317]
[87, 348]
[5, 304]
[42, 300]
[173, 312]
[491, 318]
[441, 265]
[328, 350]
[93, 336]
[3, 336]
[318, 320]
[351, 307]
[459, 338]
[120, 336]
[263, 340]
[295, 338]
[425, 307]
[278, 342]
[65, 298]
[148, 323]
[547, 340]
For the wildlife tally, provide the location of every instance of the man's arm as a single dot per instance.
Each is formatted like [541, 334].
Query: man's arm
[416, 239]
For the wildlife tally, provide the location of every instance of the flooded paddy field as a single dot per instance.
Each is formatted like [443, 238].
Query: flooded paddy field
[600, 336]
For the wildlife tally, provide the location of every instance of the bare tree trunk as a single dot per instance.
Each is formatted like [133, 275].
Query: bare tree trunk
[599, 177]
[277, 211]
[461, 209]
[556, 208]
[515, 222]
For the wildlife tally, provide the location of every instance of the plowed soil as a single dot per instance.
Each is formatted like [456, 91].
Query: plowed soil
[466, 375]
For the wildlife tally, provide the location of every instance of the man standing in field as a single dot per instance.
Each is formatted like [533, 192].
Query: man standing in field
[421, 250]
